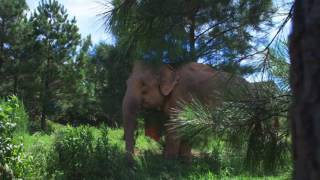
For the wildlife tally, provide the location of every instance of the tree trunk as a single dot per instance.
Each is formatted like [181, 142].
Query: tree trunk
[305, 84]
[193, 9]
[16, 74]
[192, 42]
[45, 90]
[1, 55]
[2, 46]
[44, 101]
[15, 84]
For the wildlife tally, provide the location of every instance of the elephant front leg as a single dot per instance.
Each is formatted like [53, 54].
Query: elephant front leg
[172, 144]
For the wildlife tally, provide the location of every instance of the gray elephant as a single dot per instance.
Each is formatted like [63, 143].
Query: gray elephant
[162, 87]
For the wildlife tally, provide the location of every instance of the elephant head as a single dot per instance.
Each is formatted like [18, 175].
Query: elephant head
[147, 87]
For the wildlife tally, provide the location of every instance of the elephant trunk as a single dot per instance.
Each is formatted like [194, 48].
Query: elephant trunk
[130, 108]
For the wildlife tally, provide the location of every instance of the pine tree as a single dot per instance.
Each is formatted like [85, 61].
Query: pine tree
[56, 39]
[13, 32]
[79, 102]
[188, 30]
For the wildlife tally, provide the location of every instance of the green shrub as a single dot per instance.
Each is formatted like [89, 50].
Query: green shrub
[13, 111]
[78, 154]
[74, 147]
[108, 161]
[13, 120]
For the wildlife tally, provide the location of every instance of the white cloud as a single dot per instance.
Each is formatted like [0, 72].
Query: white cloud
[87, 13]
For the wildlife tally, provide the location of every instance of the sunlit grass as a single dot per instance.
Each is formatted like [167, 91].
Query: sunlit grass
[149, 160]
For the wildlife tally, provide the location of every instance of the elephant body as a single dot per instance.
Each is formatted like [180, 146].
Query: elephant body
[161, 88]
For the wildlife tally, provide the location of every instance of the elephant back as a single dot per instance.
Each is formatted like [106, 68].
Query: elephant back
[211, 86]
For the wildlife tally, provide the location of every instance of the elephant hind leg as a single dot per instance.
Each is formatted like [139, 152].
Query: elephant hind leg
[172, 144]
[185, 152]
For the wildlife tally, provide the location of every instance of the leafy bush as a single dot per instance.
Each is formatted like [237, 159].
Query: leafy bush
[108, 160]
[13, 120]
[78, 154]
[73, 147]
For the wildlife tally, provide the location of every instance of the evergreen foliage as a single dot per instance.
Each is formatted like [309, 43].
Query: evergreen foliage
[56, 38]
[13, 31]
[115, 69]
[188, 30]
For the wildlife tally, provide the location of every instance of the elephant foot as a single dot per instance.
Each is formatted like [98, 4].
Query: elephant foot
[172, 144]
[170, 156]
[184, 155]
[185, 152]
[130, 159]
[186, 159]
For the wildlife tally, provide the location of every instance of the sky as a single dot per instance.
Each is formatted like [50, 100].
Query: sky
[87, 15]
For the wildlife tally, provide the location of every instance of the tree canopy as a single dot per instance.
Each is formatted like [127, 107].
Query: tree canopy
[189, 30]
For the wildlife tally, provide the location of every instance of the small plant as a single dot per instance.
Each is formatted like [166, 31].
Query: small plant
[73, 148]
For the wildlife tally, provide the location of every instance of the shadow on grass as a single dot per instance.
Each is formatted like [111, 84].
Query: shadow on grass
[150, 165]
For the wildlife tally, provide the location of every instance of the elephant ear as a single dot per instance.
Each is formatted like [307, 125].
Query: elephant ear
[168, 79]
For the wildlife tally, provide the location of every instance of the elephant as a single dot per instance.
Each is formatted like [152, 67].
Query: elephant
[161, 88]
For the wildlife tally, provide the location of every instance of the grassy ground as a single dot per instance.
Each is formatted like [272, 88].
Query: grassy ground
[65, 152]
[149, 163]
